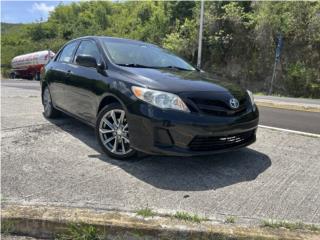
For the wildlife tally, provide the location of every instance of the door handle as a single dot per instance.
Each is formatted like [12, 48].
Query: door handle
[68, 72]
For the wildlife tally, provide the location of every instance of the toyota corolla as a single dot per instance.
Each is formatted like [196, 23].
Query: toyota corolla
[142, 98]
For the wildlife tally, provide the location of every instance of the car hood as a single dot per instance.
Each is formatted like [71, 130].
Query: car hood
[178, 81]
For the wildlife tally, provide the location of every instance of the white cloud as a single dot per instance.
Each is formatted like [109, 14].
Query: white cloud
[42, 7]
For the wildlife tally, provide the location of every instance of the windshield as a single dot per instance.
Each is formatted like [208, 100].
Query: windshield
[136, 54]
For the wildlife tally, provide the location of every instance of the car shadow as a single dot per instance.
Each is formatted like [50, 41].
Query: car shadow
[179, 173]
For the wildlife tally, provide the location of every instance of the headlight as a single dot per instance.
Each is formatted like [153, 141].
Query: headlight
[160, 99]
[251, 97]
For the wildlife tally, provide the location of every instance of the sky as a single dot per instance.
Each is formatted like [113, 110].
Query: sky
[27, 11]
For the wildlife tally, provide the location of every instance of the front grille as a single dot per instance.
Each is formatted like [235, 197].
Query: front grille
[211, 143]
[216, 107]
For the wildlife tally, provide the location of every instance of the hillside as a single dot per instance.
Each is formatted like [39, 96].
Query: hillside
[239, 37]
[10, 28]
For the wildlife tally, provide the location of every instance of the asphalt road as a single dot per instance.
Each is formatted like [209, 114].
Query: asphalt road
[59, 162]
[290, 119]
[273, 117]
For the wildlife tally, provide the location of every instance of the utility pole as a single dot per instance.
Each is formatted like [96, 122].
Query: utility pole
[276, 60]
[200, 34]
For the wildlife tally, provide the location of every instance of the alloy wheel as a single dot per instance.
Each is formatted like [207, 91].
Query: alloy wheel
[114, 133]
[47, 102]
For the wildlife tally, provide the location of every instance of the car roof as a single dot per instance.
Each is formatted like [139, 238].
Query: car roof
[116, 39]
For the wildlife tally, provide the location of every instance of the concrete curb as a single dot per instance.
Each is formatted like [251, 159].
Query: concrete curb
[288, 106]
[48, 222]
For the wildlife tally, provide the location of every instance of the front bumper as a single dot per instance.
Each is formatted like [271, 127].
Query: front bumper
[168, 132]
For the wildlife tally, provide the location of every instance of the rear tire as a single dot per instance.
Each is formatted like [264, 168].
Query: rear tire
[112, 132]
[37, 76]
[12, 75]
[48, 109]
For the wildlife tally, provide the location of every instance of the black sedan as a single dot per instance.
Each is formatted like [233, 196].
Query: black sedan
[140, 97]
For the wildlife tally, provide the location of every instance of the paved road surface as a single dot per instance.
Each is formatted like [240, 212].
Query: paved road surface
[22, 84]
[289, 119]
[60, 163]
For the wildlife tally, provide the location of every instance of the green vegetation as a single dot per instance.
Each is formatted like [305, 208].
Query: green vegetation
[145, 212]
[239, 37]
[290, 225]
[7, 226]
[2, 198]
[230, 219]
[80, 232]
[188, 217]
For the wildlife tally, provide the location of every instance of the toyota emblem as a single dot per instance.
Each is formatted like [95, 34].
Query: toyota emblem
[234, 103]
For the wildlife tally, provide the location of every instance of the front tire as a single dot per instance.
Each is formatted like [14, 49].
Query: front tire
[48, 109]
[112, 132]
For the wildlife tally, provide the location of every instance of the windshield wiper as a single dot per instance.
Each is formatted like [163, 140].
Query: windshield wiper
[134, 65]
[176, 67]
[144, 66]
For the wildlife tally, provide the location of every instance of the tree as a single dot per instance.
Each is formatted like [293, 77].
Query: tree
[239, 38]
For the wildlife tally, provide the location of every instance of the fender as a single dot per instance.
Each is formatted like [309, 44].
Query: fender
[109, 94]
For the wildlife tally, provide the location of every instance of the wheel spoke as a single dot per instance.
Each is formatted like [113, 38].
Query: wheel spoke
[126, 139]
[104, 131]
[109, 124]
[125, 126]
[113, 115]
[122, 145]
[121, 118]
[109, 140]
[115, 146]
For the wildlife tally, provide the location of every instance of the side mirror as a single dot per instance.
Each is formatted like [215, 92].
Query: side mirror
[101, 66]
[86, 61]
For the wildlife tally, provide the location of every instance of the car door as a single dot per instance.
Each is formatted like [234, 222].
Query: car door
[80, 97]
[58, 73]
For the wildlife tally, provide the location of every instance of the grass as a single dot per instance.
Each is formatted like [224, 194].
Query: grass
[230, 219]
[266, 94]
[145, 212]
[3, 198]
[7, 227]
[279, 95]
[290, 225]
[188, 217]
[260, 93]
[80, 232]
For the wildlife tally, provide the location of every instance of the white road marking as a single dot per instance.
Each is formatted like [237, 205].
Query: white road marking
[291, 131]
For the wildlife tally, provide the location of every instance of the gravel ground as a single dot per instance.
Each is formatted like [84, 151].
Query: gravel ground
[12, 237]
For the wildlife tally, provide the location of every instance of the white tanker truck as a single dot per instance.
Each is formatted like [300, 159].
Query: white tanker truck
[29, 65]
